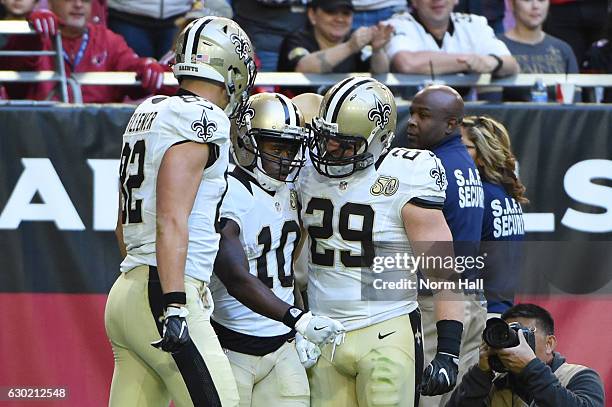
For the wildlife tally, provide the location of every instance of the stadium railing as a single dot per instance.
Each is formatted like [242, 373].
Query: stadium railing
[290, 79]
[9, 27]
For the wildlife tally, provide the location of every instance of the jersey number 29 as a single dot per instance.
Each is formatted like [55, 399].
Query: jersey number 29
[326, 230]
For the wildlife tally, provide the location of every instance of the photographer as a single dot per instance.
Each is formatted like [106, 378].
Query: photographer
[540, 379]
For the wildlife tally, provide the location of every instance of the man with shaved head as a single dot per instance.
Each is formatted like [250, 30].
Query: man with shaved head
[435, 118]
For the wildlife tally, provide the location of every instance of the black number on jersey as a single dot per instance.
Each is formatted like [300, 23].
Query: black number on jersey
[132, 209]
[405, 153]
[326, 230]
[265, 239]
[190, 98]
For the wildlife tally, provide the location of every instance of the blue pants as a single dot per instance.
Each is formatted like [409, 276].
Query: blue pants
[146, 42]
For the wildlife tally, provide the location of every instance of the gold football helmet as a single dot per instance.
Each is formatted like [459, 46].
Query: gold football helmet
[309, 104]
[217, 49]
[270, 117]
[355, 124]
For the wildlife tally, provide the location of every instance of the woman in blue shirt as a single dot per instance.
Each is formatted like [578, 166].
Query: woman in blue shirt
[503, 227]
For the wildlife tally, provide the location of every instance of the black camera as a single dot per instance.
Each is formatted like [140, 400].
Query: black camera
[498, 334]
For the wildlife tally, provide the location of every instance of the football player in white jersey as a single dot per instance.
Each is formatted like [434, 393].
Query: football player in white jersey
[269, 143]
[172, 179]
[360, 201]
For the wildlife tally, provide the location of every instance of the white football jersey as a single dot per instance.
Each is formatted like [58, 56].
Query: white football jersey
[360, 215]
[269, 232]
[468, 33]
[157, 124]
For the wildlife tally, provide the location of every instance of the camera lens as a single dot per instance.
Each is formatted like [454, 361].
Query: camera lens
[498, 334]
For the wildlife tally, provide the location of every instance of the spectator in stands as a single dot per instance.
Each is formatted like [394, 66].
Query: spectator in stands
[369, 13]
[503, 228]
[147, 26]
[267, 22]
[541, 378]
[17, 9]
[98, 10]
[87, 48]
[327, 44]
[578, 22]
[493, 10]
[449, 42]
[534, 50]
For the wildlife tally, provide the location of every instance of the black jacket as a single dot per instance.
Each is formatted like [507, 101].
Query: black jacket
[536, 383]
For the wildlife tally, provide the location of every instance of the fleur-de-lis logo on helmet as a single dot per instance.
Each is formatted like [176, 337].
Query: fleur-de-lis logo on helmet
[242, 46]
[380, 113]
[246, 116]
[204, 128]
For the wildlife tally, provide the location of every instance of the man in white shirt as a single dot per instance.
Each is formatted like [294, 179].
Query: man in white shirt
[433, 36]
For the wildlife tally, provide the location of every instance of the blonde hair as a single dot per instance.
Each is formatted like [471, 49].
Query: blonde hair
[494, 158]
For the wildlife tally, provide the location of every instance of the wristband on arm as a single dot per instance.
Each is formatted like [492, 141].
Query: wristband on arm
[500, 63]
[449, 336]
[291, 317]
[175, 297]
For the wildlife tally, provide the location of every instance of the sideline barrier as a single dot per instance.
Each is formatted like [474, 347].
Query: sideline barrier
[294, 79]
[58, 200]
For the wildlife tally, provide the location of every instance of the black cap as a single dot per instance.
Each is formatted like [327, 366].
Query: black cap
[332, 5]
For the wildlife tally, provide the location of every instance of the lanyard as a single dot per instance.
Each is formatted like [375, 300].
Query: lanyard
[80, 52]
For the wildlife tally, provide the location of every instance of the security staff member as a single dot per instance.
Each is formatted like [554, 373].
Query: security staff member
[435, 115]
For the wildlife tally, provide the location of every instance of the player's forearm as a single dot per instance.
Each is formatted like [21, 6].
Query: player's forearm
[448, 306]
[172, 238]
[119, 229]
[419, 62]
[379, 63]
[120, 243]
[324, 61]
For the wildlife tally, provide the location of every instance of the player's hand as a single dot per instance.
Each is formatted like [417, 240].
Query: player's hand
[360, 38]
[45, 22]
[151, 75]
[307, 351]
[441, 375]
[175, 334]
[318, 329]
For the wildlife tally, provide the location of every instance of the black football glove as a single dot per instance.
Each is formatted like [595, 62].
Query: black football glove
[441, 375]
[175, 333]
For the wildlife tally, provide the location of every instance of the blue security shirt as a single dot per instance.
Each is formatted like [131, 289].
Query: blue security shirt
[503, 230]
[503, 215]
[464, 205]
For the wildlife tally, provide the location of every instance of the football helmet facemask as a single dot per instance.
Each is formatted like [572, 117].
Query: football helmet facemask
[270, 117]
[355, 125]
[217, 49]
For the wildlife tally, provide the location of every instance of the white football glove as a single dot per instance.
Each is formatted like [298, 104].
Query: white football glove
[307, 351]
[317, 329]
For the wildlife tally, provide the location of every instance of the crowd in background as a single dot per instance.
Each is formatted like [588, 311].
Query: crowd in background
[430, 37]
